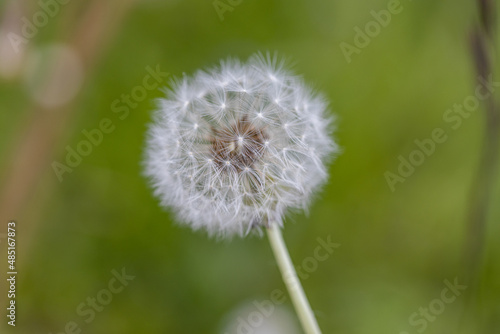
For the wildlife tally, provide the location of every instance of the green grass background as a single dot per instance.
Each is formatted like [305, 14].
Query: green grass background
[396, 247]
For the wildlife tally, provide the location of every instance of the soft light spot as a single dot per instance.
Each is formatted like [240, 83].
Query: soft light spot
[260, 115]
[228, 163]
[186, 103]
[54, 74]
[196, 126]
[272, 77]
[223, 106]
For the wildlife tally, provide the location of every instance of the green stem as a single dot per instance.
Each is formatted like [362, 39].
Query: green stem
[291, 280]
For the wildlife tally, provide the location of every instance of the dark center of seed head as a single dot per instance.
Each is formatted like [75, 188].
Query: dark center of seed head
[238, 146]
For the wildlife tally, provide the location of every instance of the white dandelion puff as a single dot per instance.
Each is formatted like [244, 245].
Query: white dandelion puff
[232, 148]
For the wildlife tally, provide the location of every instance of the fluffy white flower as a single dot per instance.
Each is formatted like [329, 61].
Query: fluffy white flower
[232, 148]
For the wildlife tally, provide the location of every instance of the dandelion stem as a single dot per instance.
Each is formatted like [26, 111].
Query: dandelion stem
[291, 280]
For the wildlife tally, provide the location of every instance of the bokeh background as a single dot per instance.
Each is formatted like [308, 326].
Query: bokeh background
[396, 247]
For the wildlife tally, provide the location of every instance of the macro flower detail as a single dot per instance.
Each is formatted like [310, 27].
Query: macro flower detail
[232, 148]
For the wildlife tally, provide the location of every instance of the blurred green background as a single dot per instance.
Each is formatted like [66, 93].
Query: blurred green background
[397, 247]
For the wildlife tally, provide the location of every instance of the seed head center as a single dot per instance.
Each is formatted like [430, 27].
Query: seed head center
[240, 144]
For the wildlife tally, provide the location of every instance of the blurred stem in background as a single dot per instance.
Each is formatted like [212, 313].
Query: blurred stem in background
[42, 132]
[34, 150]
[483, 55]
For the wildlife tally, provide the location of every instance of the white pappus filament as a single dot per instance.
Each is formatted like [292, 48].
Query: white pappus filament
[232, 148]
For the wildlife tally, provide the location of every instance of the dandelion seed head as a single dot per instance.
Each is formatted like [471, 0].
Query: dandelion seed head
[238, 171]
